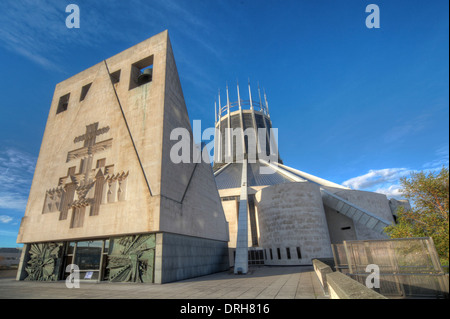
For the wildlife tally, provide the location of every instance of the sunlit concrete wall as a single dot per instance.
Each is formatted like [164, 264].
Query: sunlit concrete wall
[292, 216]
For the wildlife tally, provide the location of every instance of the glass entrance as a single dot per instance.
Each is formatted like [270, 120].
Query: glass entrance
[90, 258]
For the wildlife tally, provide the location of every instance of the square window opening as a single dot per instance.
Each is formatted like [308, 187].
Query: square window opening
[84, 91]
[141, 72]
[63, 103]
[115, 77]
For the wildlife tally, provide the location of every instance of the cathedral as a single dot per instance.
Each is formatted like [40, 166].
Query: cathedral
[279, 215]
[107, 202]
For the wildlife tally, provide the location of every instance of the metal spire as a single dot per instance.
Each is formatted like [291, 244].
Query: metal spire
[250, 95]
[228, 102]
[215, 112]
[229, 131]
[220, 107]
[219, 138]
[239, 97]
[267, 105]
[258, 150]
[259, 93]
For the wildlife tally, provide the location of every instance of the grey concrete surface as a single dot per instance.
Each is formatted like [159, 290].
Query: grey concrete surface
[260, 283]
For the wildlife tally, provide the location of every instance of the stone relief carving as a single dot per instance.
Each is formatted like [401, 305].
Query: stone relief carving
[43, 263]
[132, 259]
[77, 192]
[53, 199]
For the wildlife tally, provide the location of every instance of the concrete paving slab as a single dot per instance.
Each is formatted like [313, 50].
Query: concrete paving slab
[260, 283]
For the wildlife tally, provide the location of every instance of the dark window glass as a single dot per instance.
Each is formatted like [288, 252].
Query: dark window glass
[88, 255]
[63, 103]
[84, 91]
[299, 253]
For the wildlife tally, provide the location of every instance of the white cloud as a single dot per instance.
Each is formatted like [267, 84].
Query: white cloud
[5, 219]
[376, 177]
[13, 200]
[387, 181]
[16, 174]
[393, 191]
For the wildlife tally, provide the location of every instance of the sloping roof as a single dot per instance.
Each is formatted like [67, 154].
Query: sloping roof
[256, 178]
[230, 176]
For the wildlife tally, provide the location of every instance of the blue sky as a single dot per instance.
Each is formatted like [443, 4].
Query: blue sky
[357, 106]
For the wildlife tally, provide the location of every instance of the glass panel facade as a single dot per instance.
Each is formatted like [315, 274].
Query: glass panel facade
[88, 255]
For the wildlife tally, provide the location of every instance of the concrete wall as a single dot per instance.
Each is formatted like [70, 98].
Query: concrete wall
[180, 257]
[143, 109]
[338, 225]
[174, 176]
[291, 215]
[394, 204]
[201, 213]
[231, 208]
[375, 203]
[321, 269]
[139, 127]
[341, 286]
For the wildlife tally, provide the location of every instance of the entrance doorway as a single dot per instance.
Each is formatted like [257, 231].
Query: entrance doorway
[89, 256]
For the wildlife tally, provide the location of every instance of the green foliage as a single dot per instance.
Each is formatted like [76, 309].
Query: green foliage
[428, 216]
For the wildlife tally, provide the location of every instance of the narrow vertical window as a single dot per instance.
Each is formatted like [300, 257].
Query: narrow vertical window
[288, 253]
[279, 253]
[299, 253]
[84, 91]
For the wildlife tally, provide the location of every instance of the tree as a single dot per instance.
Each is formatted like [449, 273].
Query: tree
[428, 216]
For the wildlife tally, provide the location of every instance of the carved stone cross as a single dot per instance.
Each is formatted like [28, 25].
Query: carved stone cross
[91, 134]
[90, 146]
[88, 184]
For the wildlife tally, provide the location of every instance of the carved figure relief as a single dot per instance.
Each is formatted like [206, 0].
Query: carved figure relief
[91, 187]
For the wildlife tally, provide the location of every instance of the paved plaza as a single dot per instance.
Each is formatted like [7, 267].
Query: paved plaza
[298, 282]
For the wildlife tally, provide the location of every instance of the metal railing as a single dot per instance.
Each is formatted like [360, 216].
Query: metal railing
[245, 105]
[408, 267]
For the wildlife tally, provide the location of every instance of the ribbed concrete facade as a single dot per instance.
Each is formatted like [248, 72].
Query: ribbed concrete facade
[292, 224]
